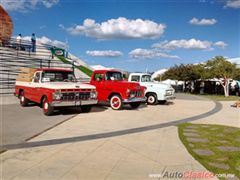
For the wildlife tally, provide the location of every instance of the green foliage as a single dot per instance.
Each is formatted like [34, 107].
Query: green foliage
[184, 72]
[218, 67]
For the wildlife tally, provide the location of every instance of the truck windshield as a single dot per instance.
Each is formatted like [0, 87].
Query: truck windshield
[146, 78]
[58, 76]
[113, 76]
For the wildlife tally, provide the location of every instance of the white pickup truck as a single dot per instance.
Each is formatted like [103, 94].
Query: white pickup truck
[156, 91]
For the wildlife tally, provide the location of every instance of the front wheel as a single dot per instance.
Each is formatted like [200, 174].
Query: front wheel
[116, 102]
[152, 99]
[47, 108]
[135, 105]
[86, 109]
[23, 100]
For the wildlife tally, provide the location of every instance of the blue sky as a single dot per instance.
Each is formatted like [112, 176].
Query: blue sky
[134, 35]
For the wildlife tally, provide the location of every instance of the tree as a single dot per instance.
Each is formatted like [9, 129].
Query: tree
[187, 72]
[219, 67]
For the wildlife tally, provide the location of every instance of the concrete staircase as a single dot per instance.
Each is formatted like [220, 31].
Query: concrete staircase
[11, 60]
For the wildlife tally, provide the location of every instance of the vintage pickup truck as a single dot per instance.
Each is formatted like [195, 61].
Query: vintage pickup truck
[112, 88]
[156, 91]
[52, 88]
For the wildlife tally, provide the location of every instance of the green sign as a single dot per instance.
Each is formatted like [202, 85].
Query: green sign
[58, 51]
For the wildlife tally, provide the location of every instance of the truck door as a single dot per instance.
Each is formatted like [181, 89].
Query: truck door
[98, 81]
[36, 87]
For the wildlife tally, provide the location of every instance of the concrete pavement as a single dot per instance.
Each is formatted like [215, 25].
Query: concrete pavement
[141, 155]
[20, 123]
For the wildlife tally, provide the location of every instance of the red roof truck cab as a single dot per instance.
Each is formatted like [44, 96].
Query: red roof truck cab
[112, 88]
[52, 88]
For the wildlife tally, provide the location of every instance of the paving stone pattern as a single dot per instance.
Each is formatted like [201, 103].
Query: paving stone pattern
[200, 140]
[200, 144]
[219, 165]
[203, 152]
[191, 134]
[229, 148]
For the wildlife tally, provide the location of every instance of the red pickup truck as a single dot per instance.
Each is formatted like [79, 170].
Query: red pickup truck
[111, 87]
[53, 88]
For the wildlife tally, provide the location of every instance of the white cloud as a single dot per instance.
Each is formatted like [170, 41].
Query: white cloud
[24, 5]
[232, 4]
[120, 28]
[107, 53]
[49, 3]
[220, 44]
[149, 54]
[235, 60]
[202, 22]
[101, 67]
[46, 40]
[184, 44]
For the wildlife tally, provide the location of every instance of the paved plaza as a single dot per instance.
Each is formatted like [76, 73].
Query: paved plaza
[126, 144]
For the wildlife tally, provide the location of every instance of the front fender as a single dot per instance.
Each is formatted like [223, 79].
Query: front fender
[159, 92]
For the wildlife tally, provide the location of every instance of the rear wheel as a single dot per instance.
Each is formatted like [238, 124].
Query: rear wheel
[47, 108]
[135, 105]
[116, 102]
[23, 100]
[152, 99]
[86, 109]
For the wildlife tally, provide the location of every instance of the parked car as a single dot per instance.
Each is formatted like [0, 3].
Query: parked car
[113, 88]
[52, 88]
[156, 91]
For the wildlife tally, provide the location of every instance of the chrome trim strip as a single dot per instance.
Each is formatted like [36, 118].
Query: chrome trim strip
[74, 103]
[143, 99]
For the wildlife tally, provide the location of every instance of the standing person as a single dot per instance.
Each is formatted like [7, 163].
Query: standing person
[33, 39]
[19, 41]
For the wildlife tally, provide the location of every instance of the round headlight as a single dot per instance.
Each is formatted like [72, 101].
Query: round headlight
[93, 95]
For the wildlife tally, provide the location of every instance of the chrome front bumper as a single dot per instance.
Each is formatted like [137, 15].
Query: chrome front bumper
[169, 97]
[130, 100]
[74, 103]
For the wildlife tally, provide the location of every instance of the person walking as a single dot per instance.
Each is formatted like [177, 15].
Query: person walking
[33, 39]
[19, 41]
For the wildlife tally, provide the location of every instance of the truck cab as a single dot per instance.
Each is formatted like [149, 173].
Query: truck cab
[53, 88]
[114, 89]
[156, 92]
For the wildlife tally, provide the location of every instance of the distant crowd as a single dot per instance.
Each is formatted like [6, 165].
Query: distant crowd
[20, 46]
[208, 87]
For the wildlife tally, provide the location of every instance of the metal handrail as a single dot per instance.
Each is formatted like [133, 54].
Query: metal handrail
[12, 59]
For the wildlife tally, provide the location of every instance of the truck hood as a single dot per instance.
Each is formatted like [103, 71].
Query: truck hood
[157, 84]
[125, 84]
[67, 85]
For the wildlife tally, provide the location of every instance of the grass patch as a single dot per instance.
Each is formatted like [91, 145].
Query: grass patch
[217, 135]
[221, 97]
[63, 59]
[84, 69]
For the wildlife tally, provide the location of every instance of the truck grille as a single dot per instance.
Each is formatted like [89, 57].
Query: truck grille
[73, 96]
[136, 93]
